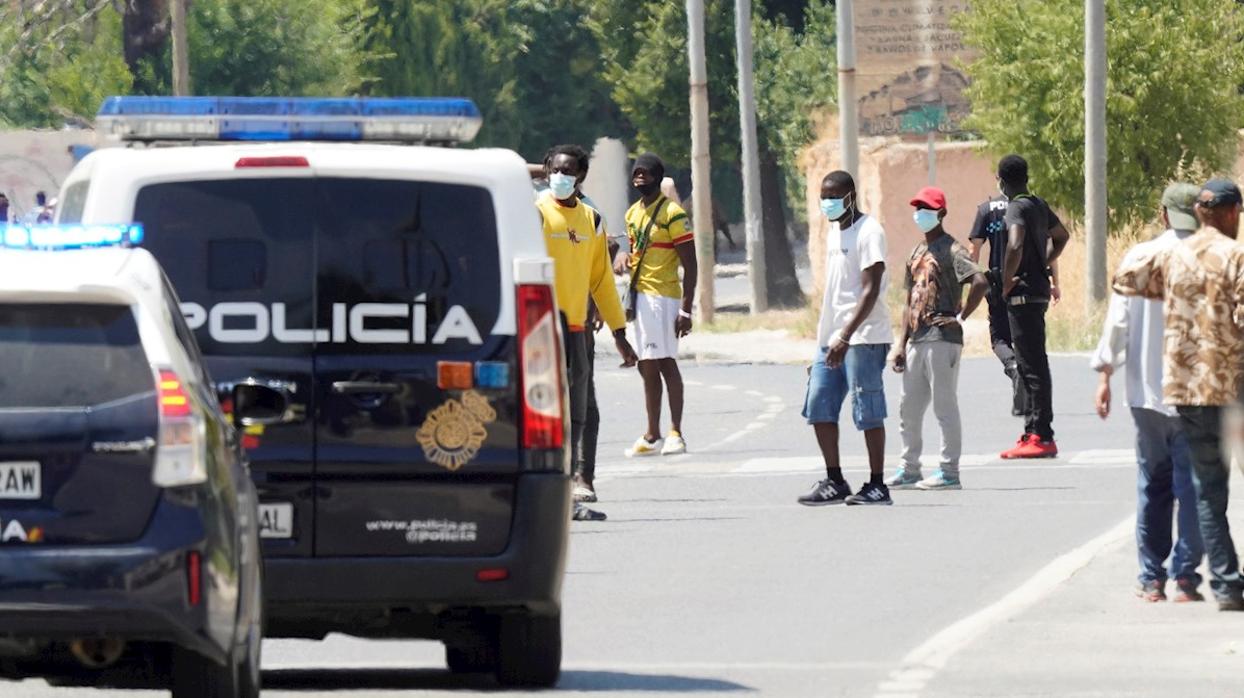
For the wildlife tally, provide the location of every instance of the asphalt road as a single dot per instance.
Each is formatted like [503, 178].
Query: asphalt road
[708, 578]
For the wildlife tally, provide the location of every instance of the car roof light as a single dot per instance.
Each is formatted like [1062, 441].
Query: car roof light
[70, 237]
[404, 119]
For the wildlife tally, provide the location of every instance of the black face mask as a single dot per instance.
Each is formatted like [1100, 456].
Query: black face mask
[649, 189]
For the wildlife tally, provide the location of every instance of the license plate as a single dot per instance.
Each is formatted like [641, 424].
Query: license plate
[276, 520]
[21, 480]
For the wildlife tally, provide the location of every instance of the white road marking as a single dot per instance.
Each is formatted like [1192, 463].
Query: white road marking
[933, 654]
[724, 386]
[1112, 455]
[588, 665]
[973, 462]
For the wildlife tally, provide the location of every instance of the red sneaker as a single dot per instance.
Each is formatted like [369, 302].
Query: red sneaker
[1034, 447]
[1010, 453]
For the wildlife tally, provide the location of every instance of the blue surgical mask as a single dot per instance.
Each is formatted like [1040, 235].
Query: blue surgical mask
[926, 220]
[562, 186]
[834, 209]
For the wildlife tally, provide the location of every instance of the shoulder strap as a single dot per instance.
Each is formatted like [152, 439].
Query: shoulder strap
[641, 242]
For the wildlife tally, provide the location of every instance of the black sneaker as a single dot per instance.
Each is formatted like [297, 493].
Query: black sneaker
[1231, 603]
[826, 492]
[871, 494]
[582, 513]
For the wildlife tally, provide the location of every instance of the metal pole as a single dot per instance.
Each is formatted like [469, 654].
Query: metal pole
[752, 205]
[848, 122]
[932, 158]
[701, 187]
[181, 50]
[1095, 148]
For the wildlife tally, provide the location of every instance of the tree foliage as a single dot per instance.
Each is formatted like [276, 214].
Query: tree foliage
[795, 75]
[1172, 99]
[276, 47]
[528, 64]
[57, 64]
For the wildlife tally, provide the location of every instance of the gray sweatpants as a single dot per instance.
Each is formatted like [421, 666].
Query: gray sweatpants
[932, 375]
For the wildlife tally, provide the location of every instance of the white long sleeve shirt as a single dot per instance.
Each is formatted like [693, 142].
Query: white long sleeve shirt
[1132, 336]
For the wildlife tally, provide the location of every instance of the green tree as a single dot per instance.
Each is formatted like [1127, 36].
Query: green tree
[528, 65]
[794, 79]
[276, 47]
[58, 62]
[1172, 99]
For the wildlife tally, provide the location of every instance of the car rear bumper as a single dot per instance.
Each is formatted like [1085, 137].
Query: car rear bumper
[535, 560]
[134, 592]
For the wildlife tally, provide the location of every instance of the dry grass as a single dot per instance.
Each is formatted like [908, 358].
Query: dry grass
[800, 322]
[1074, 325]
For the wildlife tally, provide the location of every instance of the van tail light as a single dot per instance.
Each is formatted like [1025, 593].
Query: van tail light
[272, 161]
[179, 458]
[540, 368]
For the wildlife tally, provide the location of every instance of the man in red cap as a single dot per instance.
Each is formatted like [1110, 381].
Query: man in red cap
[931, 342]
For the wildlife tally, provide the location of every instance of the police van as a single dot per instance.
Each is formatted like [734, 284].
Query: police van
[380, 315]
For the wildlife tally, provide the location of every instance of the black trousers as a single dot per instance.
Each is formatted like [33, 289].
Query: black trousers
[1000, 340]
[1028, 340]
[586, 466]
[578, 375]
[1210, 476]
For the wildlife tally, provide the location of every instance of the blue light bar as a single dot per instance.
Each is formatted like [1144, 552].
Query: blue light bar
[70, 237]
[405, 119]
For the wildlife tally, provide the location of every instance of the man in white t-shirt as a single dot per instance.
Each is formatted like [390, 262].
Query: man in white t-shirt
[854, 338]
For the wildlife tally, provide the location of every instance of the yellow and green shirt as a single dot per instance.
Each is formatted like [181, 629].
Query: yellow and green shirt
[658, 270]
[579, 247]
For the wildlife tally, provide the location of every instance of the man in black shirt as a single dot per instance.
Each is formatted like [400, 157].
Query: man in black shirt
[1034, 239]
[990, 228]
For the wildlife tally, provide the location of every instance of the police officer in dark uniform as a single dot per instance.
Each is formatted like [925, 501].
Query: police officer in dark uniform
[990, 228]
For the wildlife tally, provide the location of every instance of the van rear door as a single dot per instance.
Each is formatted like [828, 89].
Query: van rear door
[416, 398]
[240, 254]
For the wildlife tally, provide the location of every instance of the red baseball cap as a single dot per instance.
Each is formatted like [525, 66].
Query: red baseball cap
[931, 197]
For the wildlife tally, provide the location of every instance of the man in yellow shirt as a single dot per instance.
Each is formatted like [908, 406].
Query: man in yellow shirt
[659, 304]
[578, 245]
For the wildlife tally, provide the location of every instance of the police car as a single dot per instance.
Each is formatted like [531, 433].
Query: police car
[128, 525]
[383, 315]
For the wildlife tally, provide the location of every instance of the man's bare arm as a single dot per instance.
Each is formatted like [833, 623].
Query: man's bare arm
[976, 244]
[1058, 242]
[1014, 255]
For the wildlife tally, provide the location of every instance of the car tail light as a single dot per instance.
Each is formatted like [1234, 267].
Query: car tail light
[179, 457]
[272, 161]
[194, 577]
[540, 368]
[492, 574]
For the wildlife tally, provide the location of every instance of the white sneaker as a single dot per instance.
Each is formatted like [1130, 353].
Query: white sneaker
[643, 448]
[674, 445]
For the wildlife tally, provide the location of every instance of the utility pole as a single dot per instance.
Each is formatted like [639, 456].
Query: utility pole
[701, 187]
[1095, 204]
[752, 205]
[181, 49]
[848, 118]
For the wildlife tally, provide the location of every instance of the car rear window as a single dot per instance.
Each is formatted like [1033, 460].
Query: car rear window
[70, 355]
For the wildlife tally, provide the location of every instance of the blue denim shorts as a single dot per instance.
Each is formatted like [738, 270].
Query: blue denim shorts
[860, 376]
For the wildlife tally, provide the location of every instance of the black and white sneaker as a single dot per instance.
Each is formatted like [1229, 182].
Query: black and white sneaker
[826, 492]
[871, 494]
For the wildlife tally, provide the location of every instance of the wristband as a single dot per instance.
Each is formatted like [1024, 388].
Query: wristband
[684, 314]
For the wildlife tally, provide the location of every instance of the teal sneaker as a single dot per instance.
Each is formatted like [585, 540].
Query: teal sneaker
[902, 480]
[939, 481]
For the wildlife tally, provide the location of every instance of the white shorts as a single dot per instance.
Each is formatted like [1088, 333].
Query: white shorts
[655, 337]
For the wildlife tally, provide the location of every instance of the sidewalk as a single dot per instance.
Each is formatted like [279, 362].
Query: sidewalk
[1091, 637]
